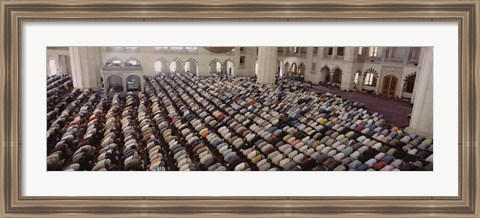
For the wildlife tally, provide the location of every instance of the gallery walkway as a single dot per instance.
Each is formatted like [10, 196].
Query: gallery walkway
[395, 111]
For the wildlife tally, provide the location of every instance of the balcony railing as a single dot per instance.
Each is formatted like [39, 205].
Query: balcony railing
[176, 51]
[122, 68]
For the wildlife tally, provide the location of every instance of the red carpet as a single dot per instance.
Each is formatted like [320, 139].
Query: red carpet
[394, 111]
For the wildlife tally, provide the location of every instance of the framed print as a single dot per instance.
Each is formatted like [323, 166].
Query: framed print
[227, 108]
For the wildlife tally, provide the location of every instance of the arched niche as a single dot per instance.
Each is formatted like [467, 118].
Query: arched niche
[191, 65]
[337, 76]
[230, 67]
[161, 66]
[115, 84]
[134, 83]
[176, 66]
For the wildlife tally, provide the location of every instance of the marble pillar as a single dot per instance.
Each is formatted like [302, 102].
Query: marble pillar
[422, 115]
[334, 52]
[85, 63]
[267, 65]
[414, 92]
[361, 80]
[309, 75]
[349, 70]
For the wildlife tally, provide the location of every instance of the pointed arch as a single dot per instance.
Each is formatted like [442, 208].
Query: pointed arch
[325, 73]
[176, 59]
[337, 68]
[337, 74]
[215, 66]
[215, 60]
[409, 82]
[192, 66]
[161, 65]
[370, 77]
[229, 66]
[410, 74]
[176, 65]
[371, 70]
[191, 60]
[163, 59]
[114, 83]
[301, 70]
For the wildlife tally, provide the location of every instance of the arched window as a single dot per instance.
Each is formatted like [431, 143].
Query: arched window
[337, 76]
[191, 66]
[370, 79]
[341, 51]
[373, 52]
[329, 51]
[360, 50]
[355, 80]
[409, 83]
[230, 67]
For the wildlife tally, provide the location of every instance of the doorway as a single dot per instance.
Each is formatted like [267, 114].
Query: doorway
[389, 85]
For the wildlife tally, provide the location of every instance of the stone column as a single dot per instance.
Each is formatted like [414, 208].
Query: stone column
[349, 69]
[405, 55]
[361, 79]
[308, 65]
[319, 59]
[414, 92]
[399, 88]
[422, 115]
[334, 52]
[267, 65]
[378, 86]
[69, 65]
[63, 64]
[86, 67]
[384, 53]
[56, 57]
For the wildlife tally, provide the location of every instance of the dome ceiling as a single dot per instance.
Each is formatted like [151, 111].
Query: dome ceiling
[219, 49]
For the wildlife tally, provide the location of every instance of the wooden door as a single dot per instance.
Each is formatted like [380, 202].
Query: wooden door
[389, 85]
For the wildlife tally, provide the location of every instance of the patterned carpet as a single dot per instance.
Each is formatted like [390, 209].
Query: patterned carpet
[395, 111]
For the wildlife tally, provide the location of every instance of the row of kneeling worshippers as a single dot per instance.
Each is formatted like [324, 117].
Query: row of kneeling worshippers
[57, 87]
[187, 123]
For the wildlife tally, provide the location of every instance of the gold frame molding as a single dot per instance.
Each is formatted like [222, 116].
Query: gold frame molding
[13, 13]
